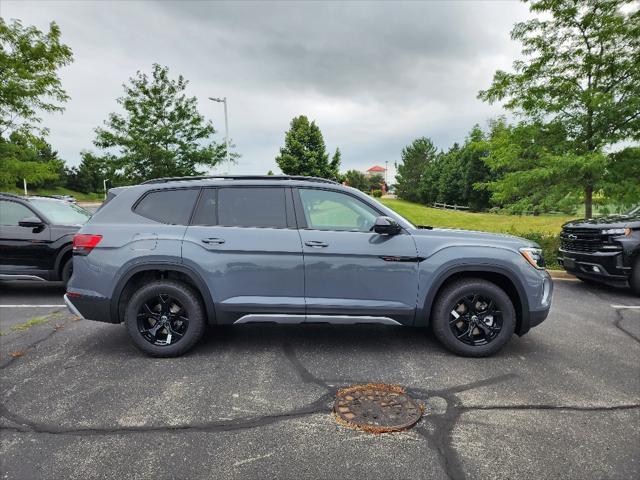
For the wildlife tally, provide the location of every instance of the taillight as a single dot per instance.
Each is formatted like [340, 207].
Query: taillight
[84, 243]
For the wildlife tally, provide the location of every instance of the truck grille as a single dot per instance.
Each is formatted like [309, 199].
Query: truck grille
[581, 239]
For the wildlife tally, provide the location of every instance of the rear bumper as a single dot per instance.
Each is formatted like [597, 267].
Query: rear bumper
[89, 308]
[609, 266]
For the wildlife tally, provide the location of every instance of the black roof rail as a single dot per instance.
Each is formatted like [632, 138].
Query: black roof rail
[241, 177]
[6, 194]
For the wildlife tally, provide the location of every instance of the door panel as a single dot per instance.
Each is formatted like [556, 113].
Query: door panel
[23, 250]
[250, 267]
[350, 270]
[350, 275]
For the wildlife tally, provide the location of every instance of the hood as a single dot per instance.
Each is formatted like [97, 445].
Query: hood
[474, 237]
[610, 221]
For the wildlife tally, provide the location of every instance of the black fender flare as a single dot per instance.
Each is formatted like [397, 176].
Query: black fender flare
[165, 267]
[443, 276]
[67, 248]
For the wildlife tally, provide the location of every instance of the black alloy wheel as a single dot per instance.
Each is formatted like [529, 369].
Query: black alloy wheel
[475, 320]
[473, 317]
[165, 318]
[162, 320]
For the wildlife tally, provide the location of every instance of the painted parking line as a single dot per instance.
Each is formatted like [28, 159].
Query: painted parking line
[31, 306]
[626, 306]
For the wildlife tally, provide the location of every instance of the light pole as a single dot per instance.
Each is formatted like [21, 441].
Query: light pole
[226, 124]
[104, 187]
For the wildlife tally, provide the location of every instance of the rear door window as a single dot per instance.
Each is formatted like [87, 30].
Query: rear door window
[252, 207]
[173, 207]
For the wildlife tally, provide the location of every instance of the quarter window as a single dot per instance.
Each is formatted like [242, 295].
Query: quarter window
[252, 207]
[12, 212]
[168, 206]
[327, 210]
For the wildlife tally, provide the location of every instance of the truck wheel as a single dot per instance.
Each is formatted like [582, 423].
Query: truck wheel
[473, 317]
[165, 318]
[634, 279]
[67, 270]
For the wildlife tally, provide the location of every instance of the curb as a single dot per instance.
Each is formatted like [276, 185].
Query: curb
[561, 275]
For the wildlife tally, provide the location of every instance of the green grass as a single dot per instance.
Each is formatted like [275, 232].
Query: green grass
[488, 222]
[81, 197]
[20, 327]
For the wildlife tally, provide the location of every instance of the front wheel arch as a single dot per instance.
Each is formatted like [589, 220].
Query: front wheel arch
[496, 275]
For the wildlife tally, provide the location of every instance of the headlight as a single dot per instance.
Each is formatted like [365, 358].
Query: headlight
[533, 256]
[617, 231]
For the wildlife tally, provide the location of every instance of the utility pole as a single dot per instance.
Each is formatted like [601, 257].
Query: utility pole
[226, 125]
[24, 182]
[104, 186]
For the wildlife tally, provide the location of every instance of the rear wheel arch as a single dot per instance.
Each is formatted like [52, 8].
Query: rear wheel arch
[65, 253]
[141, 274]
[499, 276]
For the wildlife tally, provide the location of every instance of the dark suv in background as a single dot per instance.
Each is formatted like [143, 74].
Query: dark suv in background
[36, 235]
[603, 249]
[170, 256]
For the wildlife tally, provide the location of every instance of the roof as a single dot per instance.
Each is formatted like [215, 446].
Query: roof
[376, 168]
[241, 177]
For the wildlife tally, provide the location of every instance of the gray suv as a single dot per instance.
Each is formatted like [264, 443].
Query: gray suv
[173, 255]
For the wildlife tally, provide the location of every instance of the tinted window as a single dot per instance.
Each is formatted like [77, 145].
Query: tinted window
[252, 207]
[207, 211]
[168, 206]
[11, 213]
[325, 210]
[61, 213]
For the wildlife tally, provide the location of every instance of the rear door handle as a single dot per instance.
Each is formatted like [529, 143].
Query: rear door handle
[316, 243]
[217, 241]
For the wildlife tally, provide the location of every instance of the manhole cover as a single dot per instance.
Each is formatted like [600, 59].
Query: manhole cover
[376, 408]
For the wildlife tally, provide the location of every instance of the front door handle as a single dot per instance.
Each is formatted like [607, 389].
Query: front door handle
[217, 241]
[316, 244]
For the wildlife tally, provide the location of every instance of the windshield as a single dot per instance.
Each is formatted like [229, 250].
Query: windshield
[61, 213]
[634, 211]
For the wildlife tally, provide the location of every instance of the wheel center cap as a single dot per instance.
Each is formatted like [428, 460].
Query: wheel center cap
[474, 318]
[164, 319]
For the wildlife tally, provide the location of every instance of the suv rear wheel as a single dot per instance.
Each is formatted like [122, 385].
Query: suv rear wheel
[165, 318]
[473, 317]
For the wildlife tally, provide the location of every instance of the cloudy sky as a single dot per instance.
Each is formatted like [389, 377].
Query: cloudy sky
[373, 75]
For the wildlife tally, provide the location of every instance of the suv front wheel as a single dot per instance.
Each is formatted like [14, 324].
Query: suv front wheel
[473, 317]
[165, 318]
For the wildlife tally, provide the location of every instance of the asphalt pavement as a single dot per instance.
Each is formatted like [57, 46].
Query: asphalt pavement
[80, 402]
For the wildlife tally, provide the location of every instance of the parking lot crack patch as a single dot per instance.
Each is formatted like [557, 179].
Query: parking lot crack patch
[576, 408]
[21, 424]
[617, 322]
[301, 370]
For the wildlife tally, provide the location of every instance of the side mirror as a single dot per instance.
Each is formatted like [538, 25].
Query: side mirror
[31, 222]
[386, 226]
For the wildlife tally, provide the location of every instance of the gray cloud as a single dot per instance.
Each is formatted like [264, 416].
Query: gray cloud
[374, 75]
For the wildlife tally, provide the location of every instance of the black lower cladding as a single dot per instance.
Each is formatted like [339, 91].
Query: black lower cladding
[93, 308]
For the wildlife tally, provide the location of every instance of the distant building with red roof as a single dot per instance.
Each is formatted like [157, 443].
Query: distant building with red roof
[376, 170]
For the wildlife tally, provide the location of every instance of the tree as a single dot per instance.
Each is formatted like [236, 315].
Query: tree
[90, 174]
[582, 71]
[29, 84]
[161, 133]
[357, 179]
[415, 159]
[304, 152]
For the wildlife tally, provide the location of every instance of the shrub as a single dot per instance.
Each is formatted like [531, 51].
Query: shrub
[376, 193]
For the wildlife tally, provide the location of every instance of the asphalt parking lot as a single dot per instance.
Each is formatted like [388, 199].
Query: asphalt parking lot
[78, 401]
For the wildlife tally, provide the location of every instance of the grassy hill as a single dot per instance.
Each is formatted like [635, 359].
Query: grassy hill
[489, 222]
[81, 197]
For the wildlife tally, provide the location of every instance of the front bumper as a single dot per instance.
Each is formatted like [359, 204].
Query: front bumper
[596, 265]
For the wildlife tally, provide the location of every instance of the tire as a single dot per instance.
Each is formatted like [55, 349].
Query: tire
[155, 315]
[634, 279]
[67, 270]
[458, 298]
